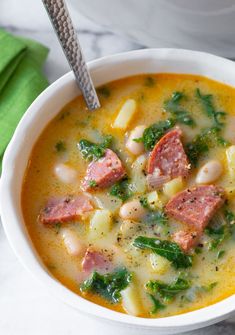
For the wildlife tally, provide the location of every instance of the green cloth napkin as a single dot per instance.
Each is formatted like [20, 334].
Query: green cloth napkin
[21, 81]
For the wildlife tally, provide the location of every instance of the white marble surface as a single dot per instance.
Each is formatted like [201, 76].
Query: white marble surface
[26, 308]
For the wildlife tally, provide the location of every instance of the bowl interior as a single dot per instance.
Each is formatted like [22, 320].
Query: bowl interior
[44, 108]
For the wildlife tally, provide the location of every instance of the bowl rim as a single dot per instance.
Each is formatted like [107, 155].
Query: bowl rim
[20, 241]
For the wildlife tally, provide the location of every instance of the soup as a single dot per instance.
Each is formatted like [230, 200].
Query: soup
[133, 206]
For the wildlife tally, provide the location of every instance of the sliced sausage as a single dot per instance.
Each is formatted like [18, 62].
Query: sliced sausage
[94, 260]
[169, 156]
[104, 172]
[195, 207]
[186, 239]
[59, 210]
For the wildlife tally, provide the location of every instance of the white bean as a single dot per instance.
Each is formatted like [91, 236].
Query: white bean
[132, 210]
[209, 172]
[72, 243]
[65, 173]
[134, 147]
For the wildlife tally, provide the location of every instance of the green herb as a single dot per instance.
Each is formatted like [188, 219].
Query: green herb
[221, 232]
[198, 250]
[179, 114]
[108, 285]
[60, 146]
[107, 141]
[144, 202]
[218, 231]
[207, 139]
[157, 305]
[157, 217]
[57, 227]
[209, 287]
[168, 291]
[217, 234]
[149, 82]
[104, 91]
[229, 216]
[121, 190]
[92, 150]
[209, 108]
[153, 133]
[92, 183]
[164, 248]
[220, 254]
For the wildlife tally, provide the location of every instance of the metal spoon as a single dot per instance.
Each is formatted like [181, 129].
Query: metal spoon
[66, 33]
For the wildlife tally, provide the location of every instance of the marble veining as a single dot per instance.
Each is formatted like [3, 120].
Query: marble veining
[25, 306]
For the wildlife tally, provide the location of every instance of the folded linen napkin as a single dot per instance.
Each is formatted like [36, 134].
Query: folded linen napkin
[21, 81]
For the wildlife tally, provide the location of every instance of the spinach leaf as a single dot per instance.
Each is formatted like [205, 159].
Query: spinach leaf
[207, 139]
[168, 291]
[220, 232]
[153, 133]
[209, 108]
[108, 285]
[92, 150]
[212, 231]
[218, 235]
[220, 254]
[177, 112]
[229, 217]
[164, 248]
[121, 190]
[157, 305]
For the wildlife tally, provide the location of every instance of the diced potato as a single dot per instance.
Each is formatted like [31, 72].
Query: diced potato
[100, 223]
[230, 153]
[131, 301]
[106, 201]
[153, 200]
[173, 186]
[125, 114]
[138, 179]
[159, 264]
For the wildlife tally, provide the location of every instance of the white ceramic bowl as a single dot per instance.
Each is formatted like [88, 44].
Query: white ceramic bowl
[44, 108]
[205, 25]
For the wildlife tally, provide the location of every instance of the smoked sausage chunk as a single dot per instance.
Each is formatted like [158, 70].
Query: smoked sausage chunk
[195, 207]
[104, 172]
[64, 209]
[168, 156]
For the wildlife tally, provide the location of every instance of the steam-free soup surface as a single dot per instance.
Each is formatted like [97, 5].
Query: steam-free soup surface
[117, 235]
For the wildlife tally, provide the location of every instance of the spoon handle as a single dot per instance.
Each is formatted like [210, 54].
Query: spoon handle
[66, 33]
